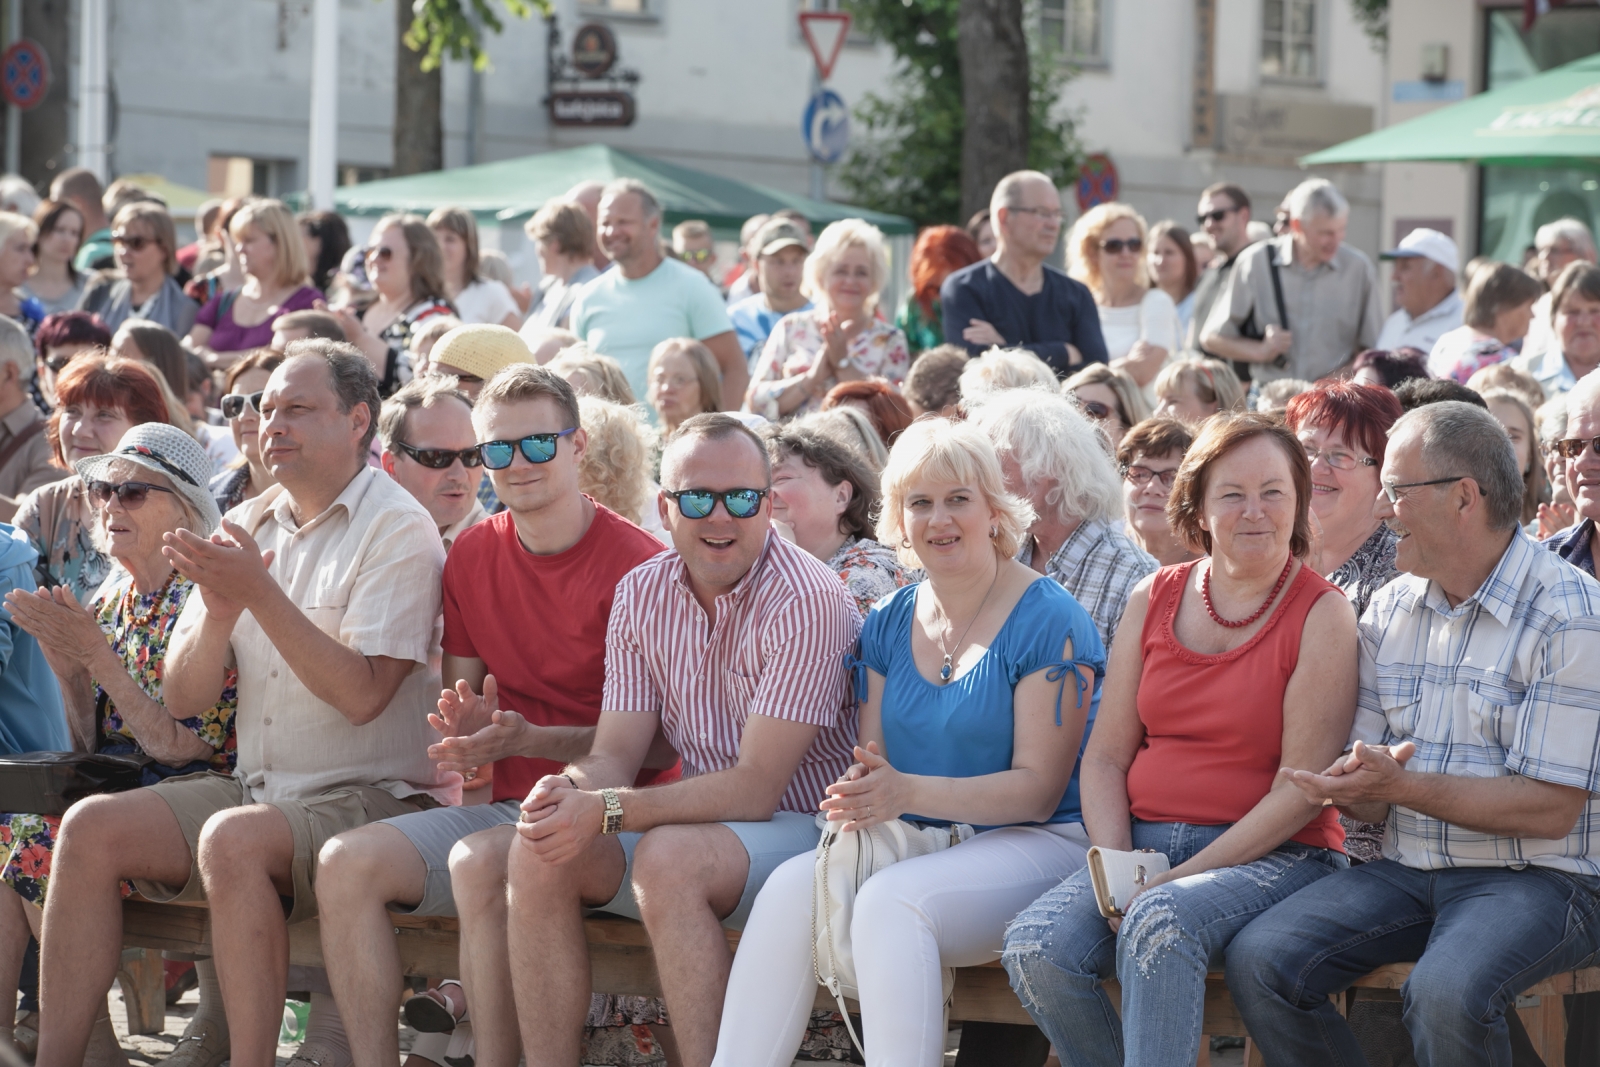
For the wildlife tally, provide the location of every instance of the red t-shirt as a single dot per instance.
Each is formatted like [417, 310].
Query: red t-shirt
[539, 625]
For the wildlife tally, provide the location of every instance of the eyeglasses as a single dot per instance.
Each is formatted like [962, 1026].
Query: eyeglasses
[696, 255]
[1214, 216]
[381, 253]
[1338, 460]
[1573, 447]
[1117, 245]
[698, 503]
[1141, 475]
[536, 448]
[161, 461]
[133, 242]
[57, 364]
[1047, 214]
[1394, 494]
[233, 404]
[131, 494]
[442, 458]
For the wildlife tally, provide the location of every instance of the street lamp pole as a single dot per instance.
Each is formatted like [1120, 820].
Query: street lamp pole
[92, 89]
[323, 157]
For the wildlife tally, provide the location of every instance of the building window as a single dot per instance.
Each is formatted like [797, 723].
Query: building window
[244, 176]
[635, 9]
[1289, 40]
[1074, 30]
[356, 173]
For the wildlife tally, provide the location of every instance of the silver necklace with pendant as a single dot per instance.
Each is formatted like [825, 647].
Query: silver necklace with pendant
[948, 667]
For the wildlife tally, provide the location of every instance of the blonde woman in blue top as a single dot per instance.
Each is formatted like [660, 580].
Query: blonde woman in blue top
[977, 687]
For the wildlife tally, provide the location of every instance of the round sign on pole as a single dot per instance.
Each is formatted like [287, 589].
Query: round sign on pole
[594, 49]
[24, 74]
[826, 126]
[1097, 181]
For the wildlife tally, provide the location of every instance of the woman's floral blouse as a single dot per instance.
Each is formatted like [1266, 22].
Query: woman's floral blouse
[878, 351]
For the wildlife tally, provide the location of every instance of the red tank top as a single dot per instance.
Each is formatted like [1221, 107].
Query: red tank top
[1214, 724]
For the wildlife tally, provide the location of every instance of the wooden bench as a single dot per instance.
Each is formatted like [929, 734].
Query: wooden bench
[621, 962]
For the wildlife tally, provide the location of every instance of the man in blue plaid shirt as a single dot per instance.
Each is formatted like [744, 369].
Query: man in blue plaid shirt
[1477, 740]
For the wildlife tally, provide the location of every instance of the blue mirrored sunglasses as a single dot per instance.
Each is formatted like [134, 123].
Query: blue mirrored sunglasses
[697, 503]
[536, 448]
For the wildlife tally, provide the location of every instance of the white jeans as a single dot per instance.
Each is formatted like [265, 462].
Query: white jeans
[949, 909]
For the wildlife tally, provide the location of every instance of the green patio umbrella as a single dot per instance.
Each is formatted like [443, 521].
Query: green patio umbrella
[515, 188]
[1548, 120]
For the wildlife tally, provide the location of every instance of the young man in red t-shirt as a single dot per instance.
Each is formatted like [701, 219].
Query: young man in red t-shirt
[527, 598]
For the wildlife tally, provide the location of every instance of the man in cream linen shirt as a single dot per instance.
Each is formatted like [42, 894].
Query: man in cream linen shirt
[324, 592]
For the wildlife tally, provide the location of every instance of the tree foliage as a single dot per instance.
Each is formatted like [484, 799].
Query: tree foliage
[455, 28]
[1373, 15]
[907, 154]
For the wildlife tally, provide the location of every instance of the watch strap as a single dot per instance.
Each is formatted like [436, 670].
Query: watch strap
[612, 821]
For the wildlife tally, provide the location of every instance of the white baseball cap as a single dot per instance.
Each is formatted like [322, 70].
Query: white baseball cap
[1427, 244]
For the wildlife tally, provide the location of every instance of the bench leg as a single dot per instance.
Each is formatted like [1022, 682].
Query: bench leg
[143, 978]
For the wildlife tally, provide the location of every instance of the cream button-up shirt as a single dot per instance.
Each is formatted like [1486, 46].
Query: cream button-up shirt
[367, 572]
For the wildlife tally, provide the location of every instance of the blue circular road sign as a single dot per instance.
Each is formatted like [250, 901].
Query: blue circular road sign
[826, 126]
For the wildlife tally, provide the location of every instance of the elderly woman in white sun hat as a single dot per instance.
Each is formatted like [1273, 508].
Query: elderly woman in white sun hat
[110, 656]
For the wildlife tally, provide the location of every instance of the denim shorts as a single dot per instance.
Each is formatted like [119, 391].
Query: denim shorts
[434, 833]
[768, 844]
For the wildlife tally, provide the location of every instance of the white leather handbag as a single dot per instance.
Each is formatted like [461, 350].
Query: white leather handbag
[844, 862]
[1118, 876]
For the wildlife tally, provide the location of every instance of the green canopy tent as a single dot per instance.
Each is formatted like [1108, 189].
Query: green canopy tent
[1548, 120]
[515, 188]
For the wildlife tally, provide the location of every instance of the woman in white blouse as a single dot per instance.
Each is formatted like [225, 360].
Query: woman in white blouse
[1138, 320]
[477, 298]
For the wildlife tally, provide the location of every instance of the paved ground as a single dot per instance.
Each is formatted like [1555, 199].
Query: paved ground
[153, 1048]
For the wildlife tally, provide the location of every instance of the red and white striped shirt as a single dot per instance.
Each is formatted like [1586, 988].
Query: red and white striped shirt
[776, 647]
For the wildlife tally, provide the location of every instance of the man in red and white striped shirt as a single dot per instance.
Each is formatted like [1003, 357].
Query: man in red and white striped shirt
[734, 647]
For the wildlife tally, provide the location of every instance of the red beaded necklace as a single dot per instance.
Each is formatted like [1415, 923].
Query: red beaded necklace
[1205, 594]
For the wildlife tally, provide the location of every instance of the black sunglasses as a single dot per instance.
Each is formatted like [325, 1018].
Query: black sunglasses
[441, 458]
[1117, 245]
[698, 503]
[1096, 410]
[1574, 447]
[536, 448]
[131, 494]
[133, 242]
[1214, 216]
[233, 403]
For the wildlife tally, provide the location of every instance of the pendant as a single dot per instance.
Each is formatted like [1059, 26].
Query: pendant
[945, 671]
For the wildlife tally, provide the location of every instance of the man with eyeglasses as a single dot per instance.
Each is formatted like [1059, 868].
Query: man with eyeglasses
[1477, 740]
[1559, 244]
[527, 597]
[734, 647]
[323, 594]
[1014, 299]
[1224, 214]
[1301, 305]
[429, 448]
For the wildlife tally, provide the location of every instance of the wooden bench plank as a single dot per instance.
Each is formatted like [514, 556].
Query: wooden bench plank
[621, 963]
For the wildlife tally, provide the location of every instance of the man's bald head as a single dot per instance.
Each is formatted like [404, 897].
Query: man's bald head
[587, 196]
[1010, 190]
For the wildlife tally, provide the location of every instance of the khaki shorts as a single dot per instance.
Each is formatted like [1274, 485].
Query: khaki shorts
[194, 798]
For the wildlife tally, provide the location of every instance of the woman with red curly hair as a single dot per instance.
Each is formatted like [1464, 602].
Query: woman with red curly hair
[940, 251]
[99, 398]
[878, 401]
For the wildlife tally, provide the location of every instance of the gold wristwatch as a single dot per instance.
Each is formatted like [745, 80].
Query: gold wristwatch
[613, 816]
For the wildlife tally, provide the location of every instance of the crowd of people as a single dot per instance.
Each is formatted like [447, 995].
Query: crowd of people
[421, 591]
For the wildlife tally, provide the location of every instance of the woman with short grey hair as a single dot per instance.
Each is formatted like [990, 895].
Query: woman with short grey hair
[1054, 457]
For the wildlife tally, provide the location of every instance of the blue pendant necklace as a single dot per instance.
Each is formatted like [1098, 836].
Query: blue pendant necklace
[948, 667]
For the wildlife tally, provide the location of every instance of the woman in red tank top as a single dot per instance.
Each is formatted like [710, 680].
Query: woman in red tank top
[1242, 664]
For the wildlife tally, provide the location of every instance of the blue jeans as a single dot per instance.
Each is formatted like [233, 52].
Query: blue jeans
[1478, 935]
[1060, 949]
